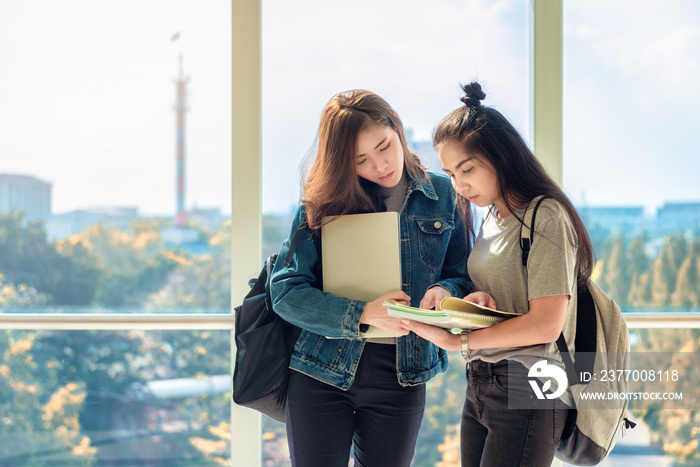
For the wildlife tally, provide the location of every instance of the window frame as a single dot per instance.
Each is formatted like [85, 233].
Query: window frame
[546, 106]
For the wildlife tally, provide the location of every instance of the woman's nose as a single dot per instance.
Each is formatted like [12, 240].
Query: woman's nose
[380, 163]
[459, 186]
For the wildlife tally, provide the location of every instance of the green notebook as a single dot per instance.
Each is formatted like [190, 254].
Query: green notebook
[455, 313]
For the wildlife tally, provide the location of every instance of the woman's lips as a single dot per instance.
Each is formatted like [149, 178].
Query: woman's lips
[386, 177]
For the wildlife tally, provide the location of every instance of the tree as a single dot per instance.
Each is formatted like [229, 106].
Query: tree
[103, 363]
[20, 296]
[687, 291]
[203, 281]
[31, 402]
[132, 265]
[65, 272]
[615, 279]
[663, 274]
[275, 231]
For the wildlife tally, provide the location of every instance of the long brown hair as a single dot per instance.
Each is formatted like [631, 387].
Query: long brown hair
[483, 132]
[331, 186]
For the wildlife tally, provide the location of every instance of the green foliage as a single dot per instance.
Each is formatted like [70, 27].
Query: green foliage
[88, 375]
[665, 280]
[103, 362]
[275, 231]
[190, 354]
[132, 264]
[65, 276]
[676, 431]
[79, 274]
[438, 439]
[58, 389]
[31, 401]
[202, 281]
[634, 278]
[687, 291]
[18, 296]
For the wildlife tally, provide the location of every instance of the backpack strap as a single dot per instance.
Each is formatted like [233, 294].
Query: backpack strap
[527, 230]
[568, 363]
[295, 241]
[298, 235]
[527, 226]
[270, 262]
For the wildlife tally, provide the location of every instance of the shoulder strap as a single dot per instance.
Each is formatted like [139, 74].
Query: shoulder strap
[270, 262]
[527, 229]
[527, 226]
[295, 241]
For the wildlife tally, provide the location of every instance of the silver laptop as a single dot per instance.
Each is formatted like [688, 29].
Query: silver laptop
[361, 258]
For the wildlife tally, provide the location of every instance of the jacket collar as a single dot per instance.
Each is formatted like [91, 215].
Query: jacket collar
[425, 186]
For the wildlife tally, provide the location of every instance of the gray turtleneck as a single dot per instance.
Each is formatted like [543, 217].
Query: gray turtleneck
[395, 196]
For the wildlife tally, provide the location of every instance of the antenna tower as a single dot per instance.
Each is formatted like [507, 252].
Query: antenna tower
[180, 109]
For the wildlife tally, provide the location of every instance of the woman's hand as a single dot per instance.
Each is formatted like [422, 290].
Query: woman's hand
[375, 313]
[481, 298]
[437, 335]
[432, 298]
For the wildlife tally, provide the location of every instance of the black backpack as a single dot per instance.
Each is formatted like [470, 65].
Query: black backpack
[264, 345]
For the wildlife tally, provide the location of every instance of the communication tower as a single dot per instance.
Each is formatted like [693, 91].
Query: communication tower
[180, 109]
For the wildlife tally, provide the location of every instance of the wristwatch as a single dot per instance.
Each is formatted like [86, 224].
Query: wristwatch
[466, 351]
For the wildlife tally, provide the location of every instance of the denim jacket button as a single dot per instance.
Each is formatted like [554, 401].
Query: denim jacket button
[437, 224]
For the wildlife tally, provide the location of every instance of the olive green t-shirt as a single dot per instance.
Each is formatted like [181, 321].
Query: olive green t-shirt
[495, 266]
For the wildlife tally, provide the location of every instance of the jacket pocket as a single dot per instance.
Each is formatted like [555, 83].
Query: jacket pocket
[433, 237]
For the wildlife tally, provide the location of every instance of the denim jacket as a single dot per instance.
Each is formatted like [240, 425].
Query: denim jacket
[433, 252]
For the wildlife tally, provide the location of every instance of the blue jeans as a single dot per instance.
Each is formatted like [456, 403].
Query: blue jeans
[376, 414]
[492, 435]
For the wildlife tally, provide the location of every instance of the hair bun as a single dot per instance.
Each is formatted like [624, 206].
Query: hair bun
[473, 95]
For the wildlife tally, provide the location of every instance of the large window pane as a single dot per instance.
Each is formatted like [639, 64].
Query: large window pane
[115, 177]
[630, 138]
[114, 398]
[412, 54]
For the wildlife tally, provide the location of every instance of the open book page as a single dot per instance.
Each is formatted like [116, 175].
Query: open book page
[461, 305]
[455, 314]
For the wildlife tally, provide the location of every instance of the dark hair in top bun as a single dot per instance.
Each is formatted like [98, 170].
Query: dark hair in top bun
[473, 95]
[484, 133]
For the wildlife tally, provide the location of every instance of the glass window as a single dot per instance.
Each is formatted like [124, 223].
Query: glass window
[115, 398]
[630, 142]
[415, 57]
[629, 100]
[412, 56]
[115, 181]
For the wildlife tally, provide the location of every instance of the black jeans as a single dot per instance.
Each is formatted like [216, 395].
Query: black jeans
[492, 435]
[376, 414]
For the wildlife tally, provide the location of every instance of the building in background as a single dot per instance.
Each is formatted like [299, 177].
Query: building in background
[679, 216]
[424, 149]
[27, 194]
[61, 226]
[615, 220]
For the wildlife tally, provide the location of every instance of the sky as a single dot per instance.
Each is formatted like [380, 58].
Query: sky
[87, 93]
[87, 90]
[631, 68]
[631, 99]
[415, 57]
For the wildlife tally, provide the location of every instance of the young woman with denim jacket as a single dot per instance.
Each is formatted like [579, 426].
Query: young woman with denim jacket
[492, 167]
[345, 389]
